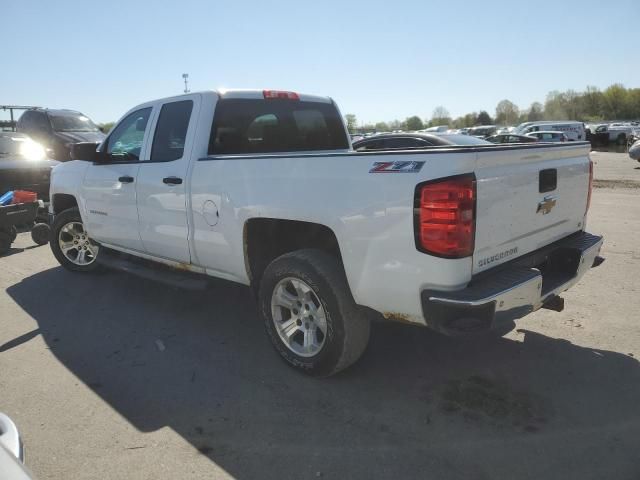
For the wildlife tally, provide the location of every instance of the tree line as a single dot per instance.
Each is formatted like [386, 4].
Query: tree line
[592, 105]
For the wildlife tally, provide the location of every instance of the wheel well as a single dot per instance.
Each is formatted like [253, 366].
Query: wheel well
[265, 239]
[62, 202]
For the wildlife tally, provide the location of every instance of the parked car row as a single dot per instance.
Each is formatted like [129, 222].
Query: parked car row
[617, 132]
[414, 140]
[404, 141]
[548, 131]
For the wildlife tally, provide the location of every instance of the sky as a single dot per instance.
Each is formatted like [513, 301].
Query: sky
[379, 60]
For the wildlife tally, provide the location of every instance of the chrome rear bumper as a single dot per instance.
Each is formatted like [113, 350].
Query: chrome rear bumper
[514, 290]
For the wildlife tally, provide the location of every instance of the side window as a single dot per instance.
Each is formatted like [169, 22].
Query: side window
[171, 131]
[372, 145]
[25, 122]
[40, 122]
[402, 143]
[125, 142]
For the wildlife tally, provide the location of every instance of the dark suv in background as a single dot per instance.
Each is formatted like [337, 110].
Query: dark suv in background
[57, 130]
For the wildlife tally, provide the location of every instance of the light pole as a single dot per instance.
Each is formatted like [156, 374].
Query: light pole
[185, 76]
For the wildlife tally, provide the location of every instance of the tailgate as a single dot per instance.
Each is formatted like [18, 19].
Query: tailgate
[528, 198]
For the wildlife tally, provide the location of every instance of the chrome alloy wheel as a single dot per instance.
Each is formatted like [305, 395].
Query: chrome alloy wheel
[299, 317]
[76, 245]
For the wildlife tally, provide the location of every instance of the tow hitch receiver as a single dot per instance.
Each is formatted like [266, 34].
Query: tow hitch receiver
[555, 303]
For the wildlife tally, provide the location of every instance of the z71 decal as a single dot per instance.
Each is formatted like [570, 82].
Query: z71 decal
[396, 167]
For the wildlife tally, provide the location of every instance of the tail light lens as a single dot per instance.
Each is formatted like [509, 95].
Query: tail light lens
[590, 185]
[445, 216]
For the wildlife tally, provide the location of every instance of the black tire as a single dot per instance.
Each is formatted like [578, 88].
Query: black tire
[40, 233]
[347, 326]
[5, 242]
[14, 233]
[62, 219]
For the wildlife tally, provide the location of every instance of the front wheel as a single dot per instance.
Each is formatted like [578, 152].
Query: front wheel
[309, 313]
[71, 244]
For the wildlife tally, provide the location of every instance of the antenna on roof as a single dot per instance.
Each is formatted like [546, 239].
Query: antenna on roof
[185, 76]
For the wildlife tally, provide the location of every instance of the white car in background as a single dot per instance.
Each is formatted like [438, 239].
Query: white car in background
[437, 129]
[573, 130]
[549, 136]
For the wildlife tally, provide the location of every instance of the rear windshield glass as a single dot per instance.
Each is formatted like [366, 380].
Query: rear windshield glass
[262, 126]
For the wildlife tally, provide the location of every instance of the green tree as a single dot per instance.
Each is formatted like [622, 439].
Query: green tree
[507, 113]
[382, 127]
[106, 127]
[554, 106]
[440, 116]
[616, 102]
[535, 112]
[470, 119]
[484, 119]
[414, 123]
[352, 122]
[592, 103]
[395, 125]
[634, 103]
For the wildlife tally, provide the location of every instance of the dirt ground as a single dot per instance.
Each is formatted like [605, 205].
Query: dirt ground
[113, 377]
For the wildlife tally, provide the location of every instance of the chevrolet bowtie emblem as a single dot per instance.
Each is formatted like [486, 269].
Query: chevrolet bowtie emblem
[546, 205]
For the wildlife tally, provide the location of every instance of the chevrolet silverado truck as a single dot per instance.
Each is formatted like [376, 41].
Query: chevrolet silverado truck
[262, 188]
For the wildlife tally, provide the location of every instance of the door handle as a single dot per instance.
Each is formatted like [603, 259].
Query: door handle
[172, 180]
[125, 179]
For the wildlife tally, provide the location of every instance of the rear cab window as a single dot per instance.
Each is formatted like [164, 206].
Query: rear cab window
[253, 126]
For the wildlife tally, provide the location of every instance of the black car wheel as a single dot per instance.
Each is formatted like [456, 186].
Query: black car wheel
[309, 313]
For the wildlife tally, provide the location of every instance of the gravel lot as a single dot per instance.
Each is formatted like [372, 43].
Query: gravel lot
[112, 377]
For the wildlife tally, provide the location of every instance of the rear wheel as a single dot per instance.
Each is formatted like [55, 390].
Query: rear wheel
[40, 233]
[71, 244]
[309, 313]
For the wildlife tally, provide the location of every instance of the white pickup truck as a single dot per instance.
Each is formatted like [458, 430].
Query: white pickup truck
[262, 188]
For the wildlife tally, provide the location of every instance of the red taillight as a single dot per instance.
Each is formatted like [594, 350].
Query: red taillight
[445, 216]
[590, 185]
[279, 94]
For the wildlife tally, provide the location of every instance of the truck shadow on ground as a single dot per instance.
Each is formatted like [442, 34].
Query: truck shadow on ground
[416, 403]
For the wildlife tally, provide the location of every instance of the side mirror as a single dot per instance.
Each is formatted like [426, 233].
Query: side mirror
[86, 151]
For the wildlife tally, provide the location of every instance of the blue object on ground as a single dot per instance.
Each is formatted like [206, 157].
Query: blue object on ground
[6, 198]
